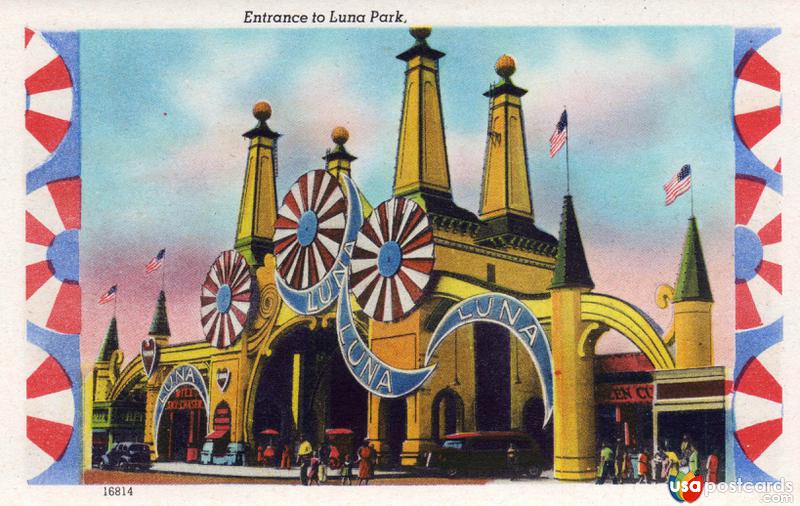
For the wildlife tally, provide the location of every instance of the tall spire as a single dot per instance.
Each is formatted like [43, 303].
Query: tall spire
[506, 188]
[571, 267]
[258, 209]
[506, 207]
[422, 172]
[692, 281]
[159, 328]
[110, 343]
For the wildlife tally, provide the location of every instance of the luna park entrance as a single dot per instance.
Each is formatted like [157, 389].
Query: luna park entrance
[183, 426]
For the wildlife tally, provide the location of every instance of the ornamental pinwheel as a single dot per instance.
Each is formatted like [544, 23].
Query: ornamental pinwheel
[225, 299]
[392, 260]
[309, 229]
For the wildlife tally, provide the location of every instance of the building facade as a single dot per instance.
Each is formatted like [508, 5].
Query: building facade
[284, 370]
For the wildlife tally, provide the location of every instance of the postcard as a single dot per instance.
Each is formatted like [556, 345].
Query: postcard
[342, 247]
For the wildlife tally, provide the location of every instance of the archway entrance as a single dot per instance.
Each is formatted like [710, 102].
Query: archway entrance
[183, 426]
[305, 388]
[392, 429]
[447, 414]
[532, 420]
[492, 377]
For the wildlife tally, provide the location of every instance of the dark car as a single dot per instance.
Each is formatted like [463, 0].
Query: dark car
[487, 452]
[127, 456]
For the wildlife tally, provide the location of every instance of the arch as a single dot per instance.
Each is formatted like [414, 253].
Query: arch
[183, 375]
[608, 312]
[447, 413]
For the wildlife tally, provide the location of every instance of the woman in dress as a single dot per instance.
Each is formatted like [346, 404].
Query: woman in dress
[364, 463]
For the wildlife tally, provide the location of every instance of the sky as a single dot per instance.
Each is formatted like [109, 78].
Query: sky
[163, 158]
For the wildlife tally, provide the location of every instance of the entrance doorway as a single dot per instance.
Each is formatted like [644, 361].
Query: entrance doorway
[447, 414]
[492, 377]
[306, 388]
[392, 429]
[183, 426]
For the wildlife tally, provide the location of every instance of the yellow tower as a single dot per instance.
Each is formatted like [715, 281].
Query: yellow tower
[104, 366]
[573, 383]
[338, 161]
[692, 303]
[159, 328]
[258, 209]
[505, 193]
[422, 173]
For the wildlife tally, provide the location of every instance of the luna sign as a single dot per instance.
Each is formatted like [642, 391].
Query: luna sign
[413, 248]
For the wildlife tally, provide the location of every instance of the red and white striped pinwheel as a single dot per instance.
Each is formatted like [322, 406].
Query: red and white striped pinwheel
[758, 410]
[52, 223]
[392, 260]
[48, 99]
[225, 299]
[50, 410]
[309, 229]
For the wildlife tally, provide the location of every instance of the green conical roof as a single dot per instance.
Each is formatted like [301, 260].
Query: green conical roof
[571, 267]
[693, 277]
[110, 343]
[160, 325]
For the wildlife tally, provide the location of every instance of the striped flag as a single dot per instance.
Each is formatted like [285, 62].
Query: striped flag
[155, 263]
[109, 296]
[559, 137]
[678, 185]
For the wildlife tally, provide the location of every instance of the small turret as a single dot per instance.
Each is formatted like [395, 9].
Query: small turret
[692, 304]
[571, 269]
[159, 328]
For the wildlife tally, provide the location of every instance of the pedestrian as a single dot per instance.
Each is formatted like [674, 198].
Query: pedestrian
[619, 462]
[313, 469]
[658, 462]
[671, 464]
[604, 468]
[694, 459]
[712, 464]
[685, 442]
[364, 463]
[334, 458]
[347, 470]
[269, 455]
[512, 461]
[304, 458]
[286, 457]
[323, 453]
[644, 466]
[373, 459]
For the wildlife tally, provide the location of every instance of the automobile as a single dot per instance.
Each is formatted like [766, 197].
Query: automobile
[127, 456]
[486, 452]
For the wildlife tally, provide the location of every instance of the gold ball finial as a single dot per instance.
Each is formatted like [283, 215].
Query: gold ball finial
[339, 135]
[505, 66]
[262, 110]
[420, 32]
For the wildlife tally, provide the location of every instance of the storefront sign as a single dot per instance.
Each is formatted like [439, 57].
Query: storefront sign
[630, 393]
[182, 377]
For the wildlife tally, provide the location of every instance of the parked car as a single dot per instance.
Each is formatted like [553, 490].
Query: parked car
[127, 456]
[486, 452]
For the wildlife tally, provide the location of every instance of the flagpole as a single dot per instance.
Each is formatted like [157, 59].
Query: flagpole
[567, 147]
[116, 294]
[163, 270]
[691, 198]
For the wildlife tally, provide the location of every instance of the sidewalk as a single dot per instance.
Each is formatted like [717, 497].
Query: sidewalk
[256, 472]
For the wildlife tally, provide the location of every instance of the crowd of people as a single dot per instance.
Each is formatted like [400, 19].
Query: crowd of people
[315, 464]
[617, 464]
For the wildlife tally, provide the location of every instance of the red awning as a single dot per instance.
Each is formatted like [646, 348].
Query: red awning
[270, 432]
[337, 432]
[217, 434]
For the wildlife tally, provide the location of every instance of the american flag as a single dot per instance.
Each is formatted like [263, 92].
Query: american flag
[559, 137]
[678, 185]
[109, 296]
[155, 263]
